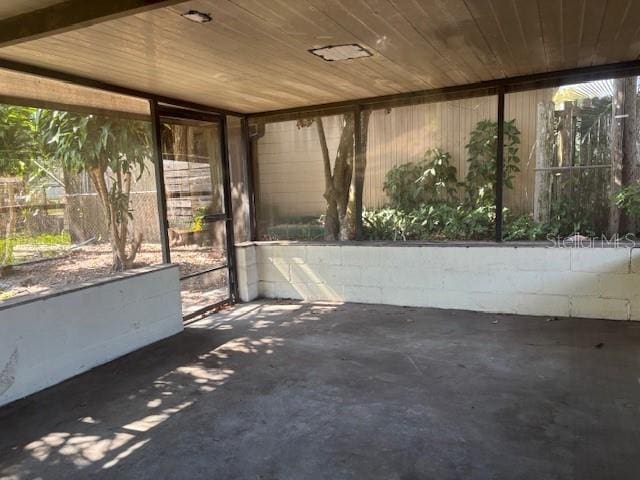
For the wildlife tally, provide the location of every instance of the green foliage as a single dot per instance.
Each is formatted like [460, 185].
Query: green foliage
[100, 145]
[82, 142]
[579, 200]
[17, 140]
[112, 150]
[439, 180]
[580, 203]
[431, 180]
[449, 222]
[628, 199]
[425, 201]
[477, 223]
[6, 249]
[524, 227]
[51, 243]
[62, 238]
[384, 224]
[482, 148]
[197, 223]
[399, 185]
[430, 222]
[6, 295]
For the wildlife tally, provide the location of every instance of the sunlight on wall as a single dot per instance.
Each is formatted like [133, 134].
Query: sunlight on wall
[311, 286]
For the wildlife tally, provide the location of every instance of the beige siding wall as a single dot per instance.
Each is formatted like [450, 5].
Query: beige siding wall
[290, 171]
[404, 134]
[291, 180]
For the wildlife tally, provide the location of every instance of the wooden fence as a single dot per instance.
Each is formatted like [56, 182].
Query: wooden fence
[191, 191]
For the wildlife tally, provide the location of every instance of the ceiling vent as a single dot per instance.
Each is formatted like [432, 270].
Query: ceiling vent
[338, 53]
[196, 16]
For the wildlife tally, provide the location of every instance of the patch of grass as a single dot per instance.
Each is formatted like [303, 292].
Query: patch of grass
[54, 240]
[6, 296]
[46, 239]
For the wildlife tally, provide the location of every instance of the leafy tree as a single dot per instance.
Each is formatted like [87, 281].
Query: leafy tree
[112, 151]
[482, 148]
[16, 150]
[17, 142]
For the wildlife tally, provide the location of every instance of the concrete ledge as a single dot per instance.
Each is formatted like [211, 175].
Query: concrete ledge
[247, 271]
[518, 279]
[45, 340]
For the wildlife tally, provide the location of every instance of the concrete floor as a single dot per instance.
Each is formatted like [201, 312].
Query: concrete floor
[296, 391]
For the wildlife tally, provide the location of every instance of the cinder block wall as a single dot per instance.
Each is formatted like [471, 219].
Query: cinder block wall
[46, 340]
[247, 271]
[580, 282]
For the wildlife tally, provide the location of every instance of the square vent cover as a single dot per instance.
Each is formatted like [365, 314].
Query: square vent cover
[337, 53]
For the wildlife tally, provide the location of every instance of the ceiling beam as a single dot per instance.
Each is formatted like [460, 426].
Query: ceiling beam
[99, 85]
[489, 87]
[70, 15]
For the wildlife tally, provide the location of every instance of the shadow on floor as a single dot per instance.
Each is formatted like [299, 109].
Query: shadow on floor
[104, 416]
[289, 390]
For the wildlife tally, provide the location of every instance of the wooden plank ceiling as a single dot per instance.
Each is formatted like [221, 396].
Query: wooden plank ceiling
[254, 55]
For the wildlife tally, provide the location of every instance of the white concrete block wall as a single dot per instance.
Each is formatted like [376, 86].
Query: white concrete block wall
[247, 268]
[46, 340]
[595, 282]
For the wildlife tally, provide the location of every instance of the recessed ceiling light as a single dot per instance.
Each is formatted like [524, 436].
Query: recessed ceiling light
[334, 53]
[196, 16]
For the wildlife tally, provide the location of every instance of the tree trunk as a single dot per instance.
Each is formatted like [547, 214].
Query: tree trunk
[629, 148]
[74, 223]
[343, 175]
[340, 184]
[617, 152]
[544, 153]
[356, 189]
[136, 241]
[118, 244]
[331, 221]
[7, 256]
[177, 142]
[565, 146]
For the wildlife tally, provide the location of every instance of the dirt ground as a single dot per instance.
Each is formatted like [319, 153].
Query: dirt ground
[92, 262]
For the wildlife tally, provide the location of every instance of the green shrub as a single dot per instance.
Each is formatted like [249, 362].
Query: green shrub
[471, 223]
[198, 219]
[628, 200]
[482, 148]
[524, 227]
[430, 222]
[569, 215]
[424, 202]
[384, 224]
[431, 180]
